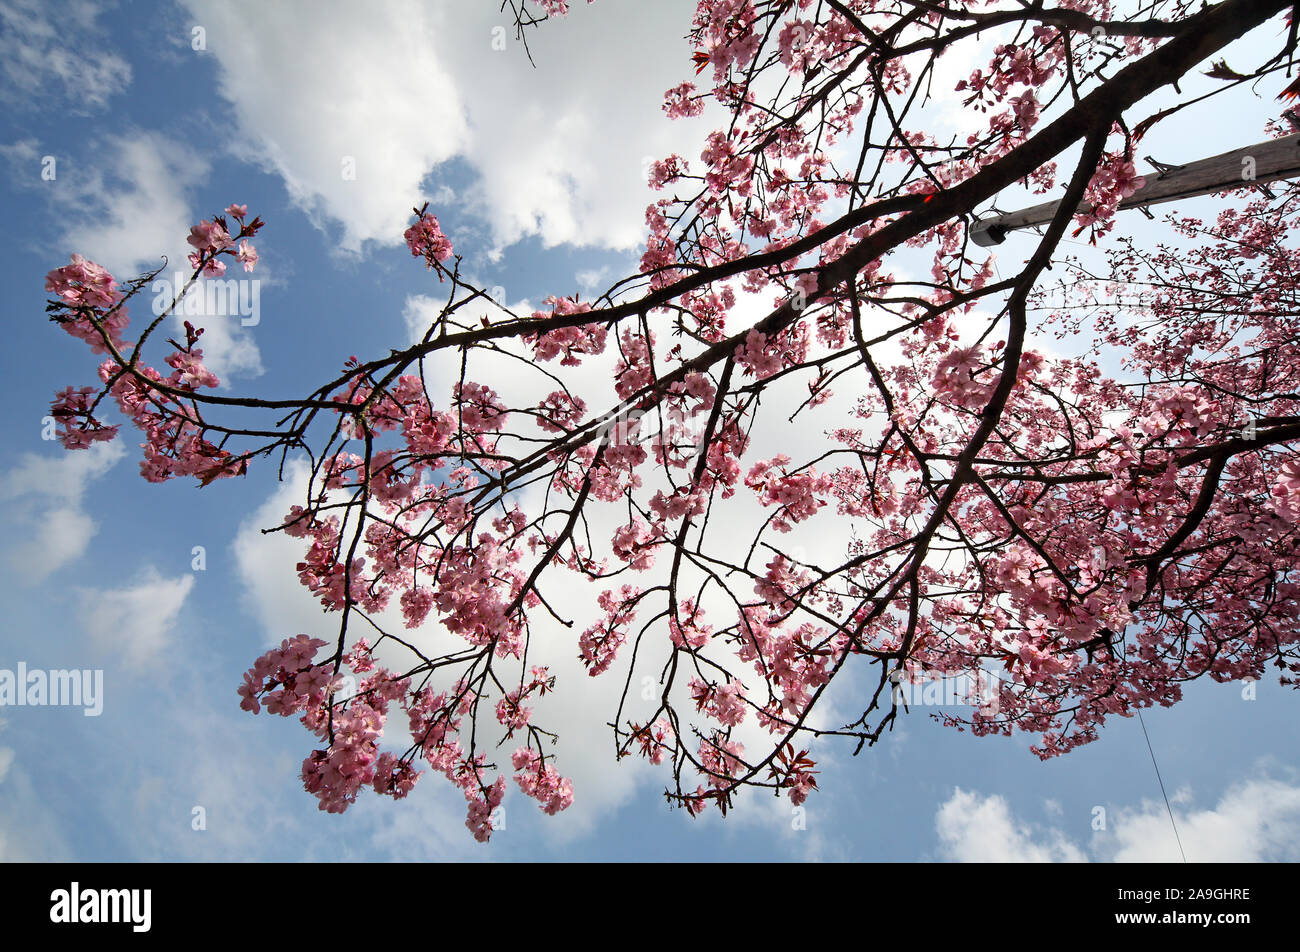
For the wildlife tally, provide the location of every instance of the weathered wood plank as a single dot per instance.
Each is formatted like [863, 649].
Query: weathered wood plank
[1251, 165]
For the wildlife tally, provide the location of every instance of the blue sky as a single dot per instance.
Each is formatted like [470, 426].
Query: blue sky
[536, 176]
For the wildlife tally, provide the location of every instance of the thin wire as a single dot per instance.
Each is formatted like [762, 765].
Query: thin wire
[1162, 786]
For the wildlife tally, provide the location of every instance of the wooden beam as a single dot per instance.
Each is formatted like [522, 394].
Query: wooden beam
[1253, 165]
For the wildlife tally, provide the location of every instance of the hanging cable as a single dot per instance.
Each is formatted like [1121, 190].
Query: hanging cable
[1161, 781]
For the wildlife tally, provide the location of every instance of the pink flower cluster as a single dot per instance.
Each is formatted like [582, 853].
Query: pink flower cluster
[668, 170]
[321, 573]
[476, 586]
[763, 355]
[479, 819]
[1115, 180]
[955, 378]
[584, 339]
[91, 307]
[682, 102]
[796, 47]
[88, 292]
[175, 444]
[795, 493]
[633, 544]
[338, 773]
[796, 663]
[599, 644]
[286, 679]
[686, 629]
[556, 8]
[190, 372]
[655, 740]
[83, 283]
[288, 682]
[211, 239]
[727, 32]
[721, 759]
[632, 371]
[426, 240]
[541, 781]
[725, 703]
[71, 404]
[511, 712]
[353, 761]
[433, 720]
[680, 502]
[729, 168]
[559, 412]
[1286, 490]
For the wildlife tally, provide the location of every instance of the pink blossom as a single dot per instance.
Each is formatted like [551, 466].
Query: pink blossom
[426, 240]
[247, 255]
[208, 237]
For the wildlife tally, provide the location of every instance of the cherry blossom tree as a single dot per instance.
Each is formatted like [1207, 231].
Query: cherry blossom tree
[1095, 539]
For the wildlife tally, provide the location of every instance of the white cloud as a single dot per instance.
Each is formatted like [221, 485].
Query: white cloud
[138, 620]
[63, 477]
[22, 152]
[403, 86]
[133, 201]
[1254, 821]
[593, 280]
[53, 529]
[975, 829]
[1257, 820]
[50, 48]
[418, 314]
[563, 149]
[29, 830]
[314, 85]
[265, 563]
